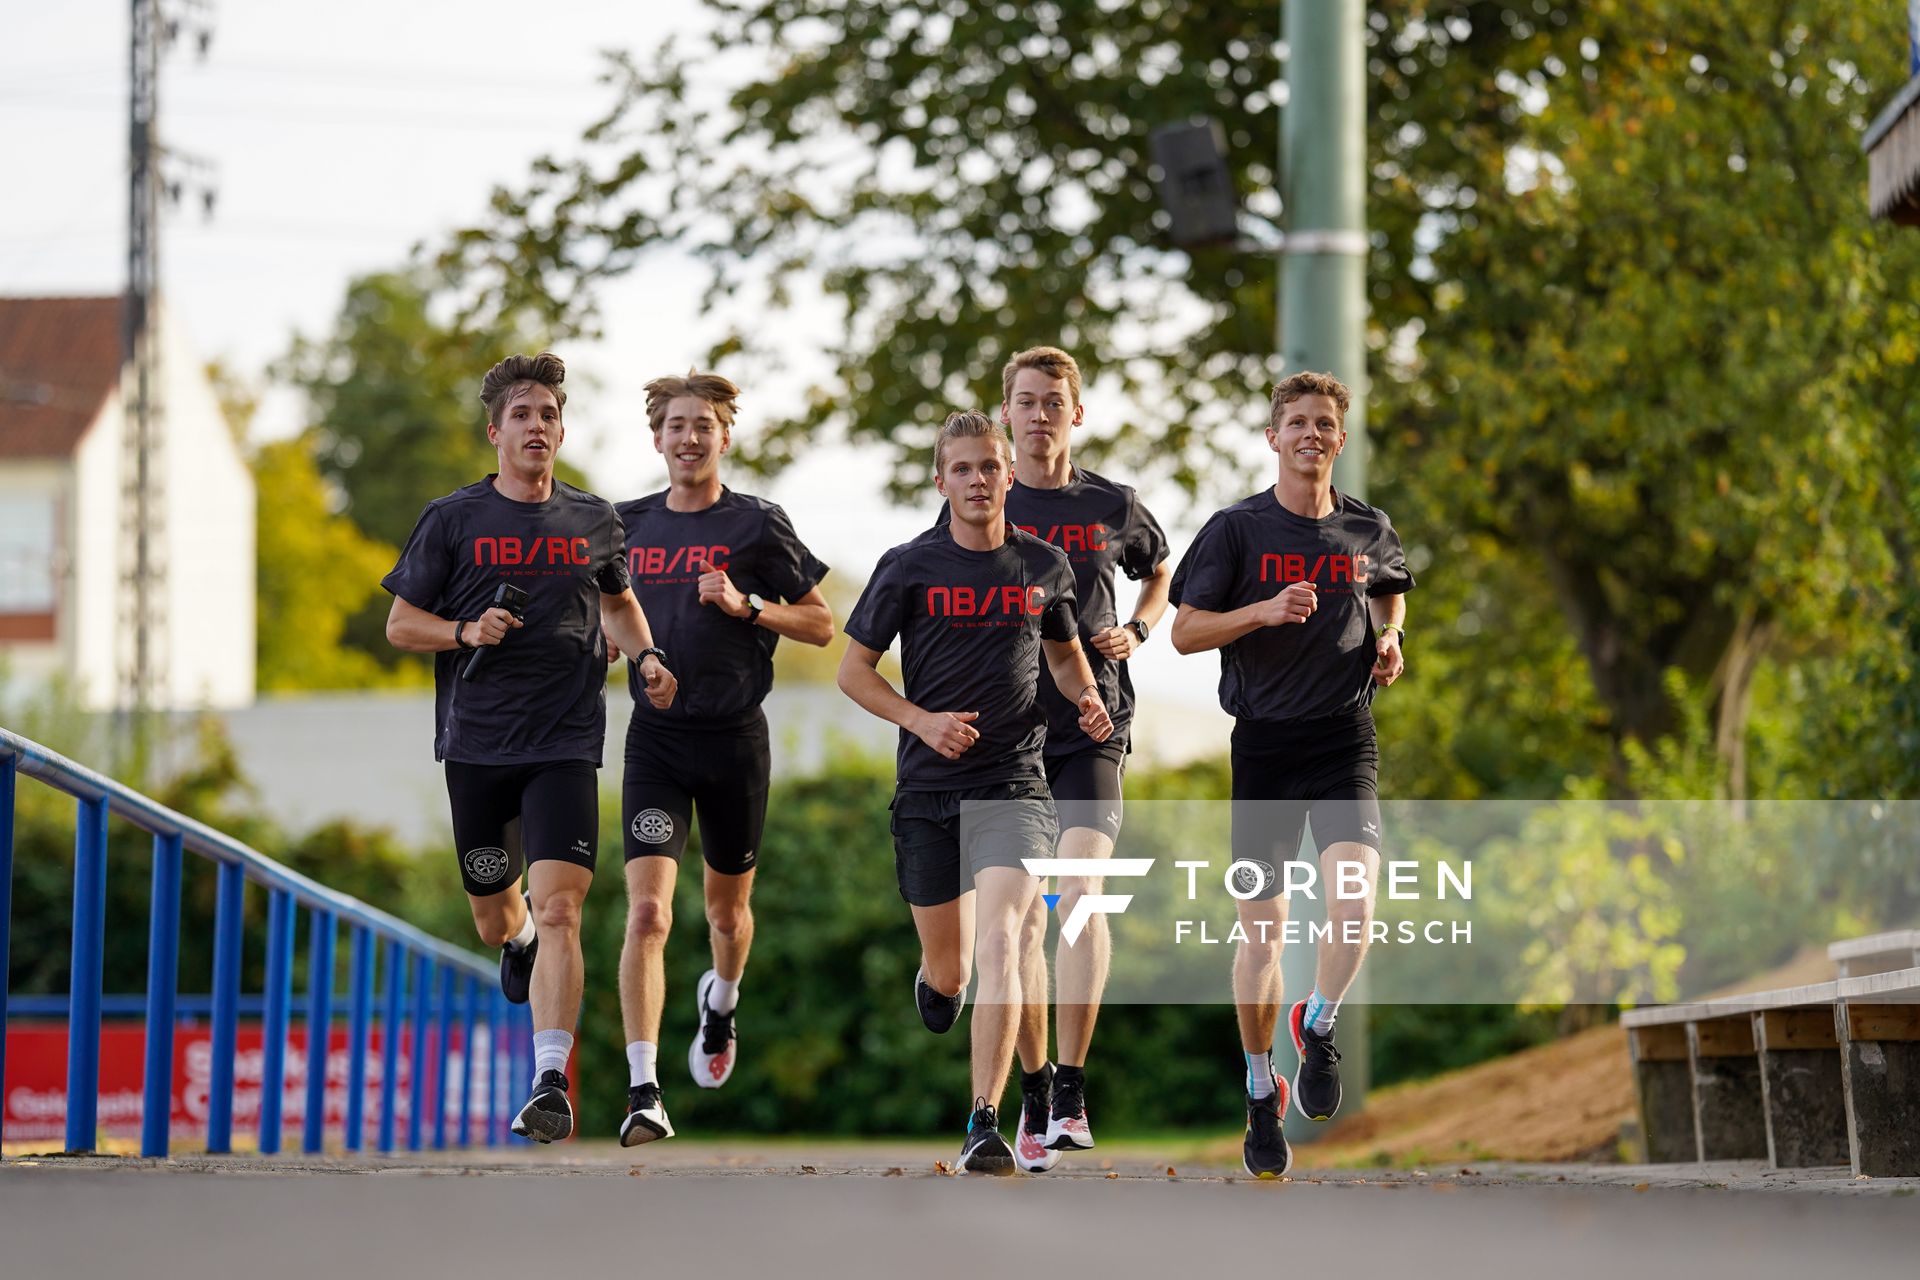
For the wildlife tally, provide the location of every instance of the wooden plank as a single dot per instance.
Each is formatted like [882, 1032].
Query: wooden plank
[1883, 1021]
[1723, 1037]
[1797, 1028]
[1659, 1044]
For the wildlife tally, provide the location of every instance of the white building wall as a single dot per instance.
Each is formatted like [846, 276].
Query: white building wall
[32, 482]
[92, 623]
[208, 651]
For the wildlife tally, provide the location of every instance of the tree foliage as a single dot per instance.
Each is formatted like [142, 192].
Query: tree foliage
[1622, 283]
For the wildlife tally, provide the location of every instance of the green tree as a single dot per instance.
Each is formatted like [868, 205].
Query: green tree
[1622, 267]
[315, 570]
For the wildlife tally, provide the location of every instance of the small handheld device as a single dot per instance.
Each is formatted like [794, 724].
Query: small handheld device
[514, 600]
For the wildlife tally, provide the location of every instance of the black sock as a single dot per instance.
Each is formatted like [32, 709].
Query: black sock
[1064, 1073]
[1034, 1079]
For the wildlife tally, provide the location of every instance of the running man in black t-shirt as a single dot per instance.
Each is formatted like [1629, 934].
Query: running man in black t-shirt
[1101, 526]
[522, 734]
[723, 576]
[1302, 590]
[974, 605]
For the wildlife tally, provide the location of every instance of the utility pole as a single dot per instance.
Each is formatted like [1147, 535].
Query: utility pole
[1323, 158]
[143, 595]
[1323, 308]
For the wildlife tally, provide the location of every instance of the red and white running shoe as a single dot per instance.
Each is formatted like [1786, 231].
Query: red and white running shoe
[711, 1055]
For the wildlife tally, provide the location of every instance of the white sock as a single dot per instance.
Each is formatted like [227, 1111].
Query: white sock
[1320, 1013]
[1260, 1076]
[523, 939]
[640, 1063]
[722, 996]
[551, 1049]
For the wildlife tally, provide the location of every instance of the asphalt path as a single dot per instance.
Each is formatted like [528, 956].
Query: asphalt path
[710, 1209]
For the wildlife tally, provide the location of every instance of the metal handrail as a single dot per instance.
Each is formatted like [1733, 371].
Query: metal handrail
[462, 979]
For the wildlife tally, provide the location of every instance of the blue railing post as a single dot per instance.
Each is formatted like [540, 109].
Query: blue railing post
[390, 1040]
[417, 1094]
[319, 1028]
[496, 1050]
[442, 1056]
[89, 944]
[227, 916]
[6, 906]
[359, 1031]
[273, 1058]
[470, 1029]
[163, 984]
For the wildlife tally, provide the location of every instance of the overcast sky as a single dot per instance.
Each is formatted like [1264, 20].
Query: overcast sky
[338, 135]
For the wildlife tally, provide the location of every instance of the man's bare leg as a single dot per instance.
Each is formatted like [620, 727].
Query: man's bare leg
[1005, 895]
[643, 970]
[1032, 1040]
[1082, 967]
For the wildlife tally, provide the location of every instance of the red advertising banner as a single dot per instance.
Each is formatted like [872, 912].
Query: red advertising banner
[34, 1093]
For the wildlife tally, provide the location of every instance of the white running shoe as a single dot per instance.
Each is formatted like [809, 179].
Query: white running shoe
[711, 1055]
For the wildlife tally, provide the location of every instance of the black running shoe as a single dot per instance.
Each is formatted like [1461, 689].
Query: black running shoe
[1265, 1152]
[985, 1151]
[1067, 1128]
[1316, 1085]
[516, 966]
[937, 1011]
[1030, 1135]
[548, 1116]
[711, 1055]
[646, 1116]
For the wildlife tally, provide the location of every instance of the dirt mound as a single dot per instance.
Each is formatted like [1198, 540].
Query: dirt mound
[1562, 1101]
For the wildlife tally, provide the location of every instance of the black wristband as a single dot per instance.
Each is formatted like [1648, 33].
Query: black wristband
[460, 636]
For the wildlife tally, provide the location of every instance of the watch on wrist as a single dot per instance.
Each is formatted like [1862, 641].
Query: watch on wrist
[754, 605]
[1400, 632]
[1139, 628]
[655, 650]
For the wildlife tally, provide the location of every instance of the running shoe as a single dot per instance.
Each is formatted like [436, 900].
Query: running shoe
[516, 966]
[710, 1056]
[1316, 1085]
[984, 1150]
[548, 1116]
[937, 1011]
[1265, 1152]
[1030, 1137]
[1067, 1127]
[646, 1116]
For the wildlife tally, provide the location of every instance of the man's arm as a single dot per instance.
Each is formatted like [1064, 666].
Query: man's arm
[808, 619]
[948, 732]
[414, 630]
[1074, 679]
[1197, 630]
[625, 623]
[1118, 643]
[1388, 611]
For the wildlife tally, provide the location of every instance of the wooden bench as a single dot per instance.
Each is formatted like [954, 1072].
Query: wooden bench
[1804, 1077]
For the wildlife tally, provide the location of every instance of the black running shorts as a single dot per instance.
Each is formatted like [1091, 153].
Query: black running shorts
[547, 810]
[1086, 787]
[1289, 774]
[993, 826]
[718, 773]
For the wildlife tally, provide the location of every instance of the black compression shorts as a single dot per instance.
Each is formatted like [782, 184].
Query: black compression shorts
[1289, 774]
[1086, 787]
[546, 810]
[719, 773]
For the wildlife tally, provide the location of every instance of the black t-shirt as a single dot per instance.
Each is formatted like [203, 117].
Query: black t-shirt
[541, 693]
[970, 625]
[1101, 525]
[1255, 549]
[724, 664]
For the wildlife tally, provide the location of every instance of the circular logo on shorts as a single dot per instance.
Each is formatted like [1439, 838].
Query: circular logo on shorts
[486, 866]
[653, 826]
[1250, 875]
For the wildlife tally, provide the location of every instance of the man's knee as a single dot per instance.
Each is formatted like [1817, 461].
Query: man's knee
[729, 919]
[1073, 888]
[558, 913]
[649, 920]
[947, 974]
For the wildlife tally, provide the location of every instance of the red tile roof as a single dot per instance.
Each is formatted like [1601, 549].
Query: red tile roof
[59, 361]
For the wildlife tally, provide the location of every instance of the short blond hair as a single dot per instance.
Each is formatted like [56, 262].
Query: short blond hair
[969, 424]
[717, 391]
[1051, 361]
[1303, 384]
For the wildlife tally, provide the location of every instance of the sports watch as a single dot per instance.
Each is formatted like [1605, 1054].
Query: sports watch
[1139, 628]
[754, 605]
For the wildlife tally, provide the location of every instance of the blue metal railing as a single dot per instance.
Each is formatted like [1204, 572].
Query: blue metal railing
[458, 1000]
